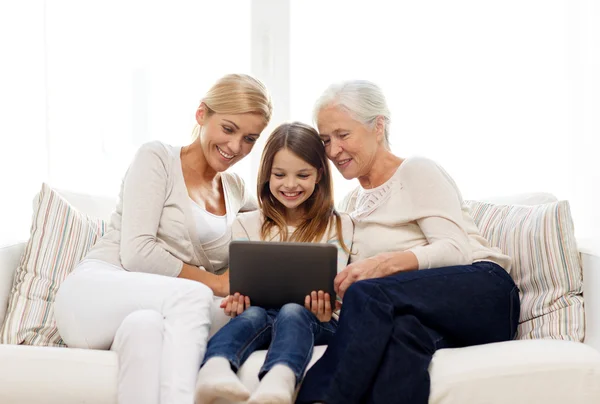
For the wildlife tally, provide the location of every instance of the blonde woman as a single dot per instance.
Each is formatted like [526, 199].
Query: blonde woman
[145, 289]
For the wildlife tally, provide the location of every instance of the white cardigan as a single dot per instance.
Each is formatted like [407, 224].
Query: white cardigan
[419, 209]
[153, 229]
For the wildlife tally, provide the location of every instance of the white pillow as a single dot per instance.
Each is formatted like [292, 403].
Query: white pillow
[545, 265]
[60, 237]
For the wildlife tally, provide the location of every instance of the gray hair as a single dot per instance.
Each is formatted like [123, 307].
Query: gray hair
[362, 99]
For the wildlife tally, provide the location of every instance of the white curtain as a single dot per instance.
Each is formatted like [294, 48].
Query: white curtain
[505, 95]
[23, 163]
[122, 73]
[497, 92]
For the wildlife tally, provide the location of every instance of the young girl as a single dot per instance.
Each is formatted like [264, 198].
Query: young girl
[296, 204]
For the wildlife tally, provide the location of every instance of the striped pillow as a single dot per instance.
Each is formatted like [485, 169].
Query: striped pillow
[546, 265]
[60, 237]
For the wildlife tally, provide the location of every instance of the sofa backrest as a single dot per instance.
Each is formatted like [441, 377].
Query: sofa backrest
[102, 207]
[534, 198]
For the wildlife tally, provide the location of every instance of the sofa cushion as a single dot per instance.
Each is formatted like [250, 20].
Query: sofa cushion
[60, 237]
[542, 371]
[545, 265]
[44, 375]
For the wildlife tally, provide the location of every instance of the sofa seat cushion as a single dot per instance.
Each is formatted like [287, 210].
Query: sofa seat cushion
[527, 371]
[46, 375]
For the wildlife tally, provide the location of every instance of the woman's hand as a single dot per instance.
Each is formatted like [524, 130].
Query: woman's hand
[375, 267]
[235, 305]
[223, 284]
[365, 269]
[319, 304]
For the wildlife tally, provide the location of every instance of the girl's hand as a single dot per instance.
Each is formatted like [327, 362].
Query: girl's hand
[319, 304]
[235, 305]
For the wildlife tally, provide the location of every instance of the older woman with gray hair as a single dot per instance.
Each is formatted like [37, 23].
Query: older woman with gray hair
[421, 277]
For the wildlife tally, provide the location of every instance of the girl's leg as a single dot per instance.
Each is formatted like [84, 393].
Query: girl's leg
[227, 350]
[93, 303]
[295, 330]
[390, 328]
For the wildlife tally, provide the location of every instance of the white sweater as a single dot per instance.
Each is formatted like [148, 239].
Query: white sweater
[153, 229]
[419, 209]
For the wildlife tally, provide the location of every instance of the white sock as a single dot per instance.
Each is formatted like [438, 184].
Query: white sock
[276, 387]
[217, 380]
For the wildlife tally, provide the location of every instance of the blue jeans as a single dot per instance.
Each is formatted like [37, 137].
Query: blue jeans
[390, 327]
[291, 331]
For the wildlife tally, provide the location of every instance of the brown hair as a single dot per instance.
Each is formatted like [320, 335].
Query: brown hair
[237, 94]
[303, 141]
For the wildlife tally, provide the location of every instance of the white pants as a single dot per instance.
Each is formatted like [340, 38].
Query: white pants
[158, 325]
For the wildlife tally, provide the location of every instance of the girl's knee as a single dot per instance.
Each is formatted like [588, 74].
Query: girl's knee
[292, 310]
[254, 314]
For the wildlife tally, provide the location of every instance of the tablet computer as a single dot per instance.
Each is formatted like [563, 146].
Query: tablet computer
[272, 274]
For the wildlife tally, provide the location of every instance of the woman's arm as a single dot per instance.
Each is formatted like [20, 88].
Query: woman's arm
[436, 204]
[143, 198]
[218, 283]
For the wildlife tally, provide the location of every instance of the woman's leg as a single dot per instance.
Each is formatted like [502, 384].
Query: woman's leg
[138, 344]
[227, 350]
[93, 302]
[295, 331]
[390, 328]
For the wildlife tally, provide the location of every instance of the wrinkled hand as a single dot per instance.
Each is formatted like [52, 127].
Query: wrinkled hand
[235, 305]
[319, 304]
[364, 269]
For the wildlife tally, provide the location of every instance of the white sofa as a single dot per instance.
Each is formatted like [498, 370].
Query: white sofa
[516, 372]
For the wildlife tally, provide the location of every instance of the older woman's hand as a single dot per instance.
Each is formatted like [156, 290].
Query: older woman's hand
[365, 269]
[375, 267]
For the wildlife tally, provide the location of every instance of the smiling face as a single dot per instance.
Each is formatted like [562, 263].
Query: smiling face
[226, 139]
[292, 181]
[350, 145]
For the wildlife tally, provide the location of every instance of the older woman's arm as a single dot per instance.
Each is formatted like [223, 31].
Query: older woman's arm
[437, 208]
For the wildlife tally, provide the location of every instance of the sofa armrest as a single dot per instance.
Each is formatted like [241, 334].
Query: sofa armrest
[590, 258]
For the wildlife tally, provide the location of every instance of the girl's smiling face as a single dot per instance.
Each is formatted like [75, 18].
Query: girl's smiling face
[292, 181]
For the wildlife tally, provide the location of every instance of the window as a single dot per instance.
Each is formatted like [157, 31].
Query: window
[127, 72]
[483, 88]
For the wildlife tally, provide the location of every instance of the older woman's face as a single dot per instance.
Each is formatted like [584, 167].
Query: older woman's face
[350, 145]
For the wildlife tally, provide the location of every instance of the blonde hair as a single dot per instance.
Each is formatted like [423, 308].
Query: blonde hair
[304, 141]
[362, 99]
[237, 94]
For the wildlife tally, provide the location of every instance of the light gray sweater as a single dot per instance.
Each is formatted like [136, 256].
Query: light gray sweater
[419, 209]
[152, 229]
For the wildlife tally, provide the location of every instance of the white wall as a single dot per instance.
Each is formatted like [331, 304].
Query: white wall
[506, 95]
[23, 163]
